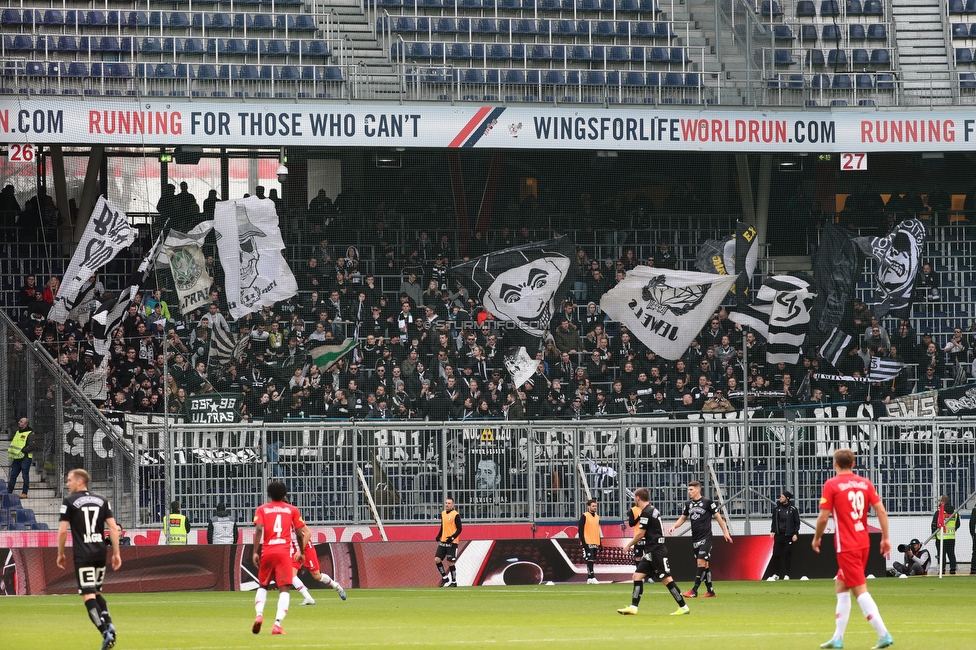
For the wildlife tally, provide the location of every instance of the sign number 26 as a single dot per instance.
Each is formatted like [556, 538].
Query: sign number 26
[20, 152]
[853, 162]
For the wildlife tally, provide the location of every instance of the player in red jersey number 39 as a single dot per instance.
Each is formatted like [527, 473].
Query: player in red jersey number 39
[274, 524]
[846, 499]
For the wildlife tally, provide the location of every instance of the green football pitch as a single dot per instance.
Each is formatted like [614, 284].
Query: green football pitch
[922, 613]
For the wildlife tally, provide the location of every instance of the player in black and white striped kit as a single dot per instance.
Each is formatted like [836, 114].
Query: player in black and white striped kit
[88, 515]
[700, 512]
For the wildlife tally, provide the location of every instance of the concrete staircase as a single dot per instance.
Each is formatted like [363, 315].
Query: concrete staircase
[364, 55]
[730, 68]
[924, 60]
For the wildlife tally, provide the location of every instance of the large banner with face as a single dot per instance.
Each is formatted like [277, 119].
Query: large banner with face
[666, 309]
[899, 258]
[250, 244]
[522, 286]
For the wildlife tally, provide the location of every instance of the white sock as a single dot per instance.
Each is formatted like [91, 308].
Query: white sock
[326, 580]
[284, 599]
[297, 583]
[260, 598]
[870, 609]
[843, 614]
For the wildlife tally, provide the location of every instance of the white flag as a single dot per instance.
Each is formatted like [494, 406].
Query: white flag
[666, 309]
[520, 366]
[184, 256]
[781, 314]
[250, 244]
[108, 232]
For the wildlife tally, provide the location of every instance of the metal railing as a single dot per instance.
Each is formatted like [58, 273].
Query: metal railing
[535, 471]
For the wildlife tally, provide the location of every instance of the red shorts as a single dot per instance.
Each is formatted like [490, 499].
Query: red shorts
[850, 566]
[275, 566]
[311, 560]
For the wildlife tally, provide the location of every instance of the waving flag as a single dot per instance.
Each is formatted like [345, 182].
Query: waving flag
[731, 256]
[108, 232]
[781, 314]
[522, 285]
[326, 356]
[899, 258]
[666, 309]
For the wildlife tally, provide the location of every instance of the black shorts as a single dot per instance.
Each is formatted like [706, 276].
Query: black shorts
[703, 549]
[590, 551]
[90, 574]
[655, 563]
[446, 551]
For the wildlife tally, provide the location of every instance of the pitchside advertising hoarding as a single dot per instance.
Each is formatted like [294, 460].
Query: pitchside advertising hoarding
[259, 124]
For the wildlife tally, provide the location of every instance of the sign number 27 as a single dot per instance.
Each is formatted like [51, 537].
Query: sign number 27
[853, 162]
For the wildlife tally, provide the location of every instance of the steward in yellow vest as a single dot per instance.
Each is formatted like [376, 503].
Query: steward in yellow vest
[177, 527]
[21, 453]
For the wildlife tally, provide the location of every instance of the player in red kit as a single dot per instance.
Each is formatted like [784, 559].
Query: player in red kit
[847, 498]
[274, 524]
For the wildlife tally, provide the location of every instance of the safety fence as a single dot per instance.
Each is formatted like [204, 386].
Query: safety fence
[543, 471]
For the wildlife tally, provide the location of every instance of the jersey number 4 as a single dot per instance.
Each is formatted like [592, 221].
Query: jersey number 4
[277, 526]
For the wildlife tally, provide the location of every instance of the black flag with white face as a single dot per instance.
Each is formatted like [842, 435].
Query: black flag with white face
[522, 285]
[899, 257]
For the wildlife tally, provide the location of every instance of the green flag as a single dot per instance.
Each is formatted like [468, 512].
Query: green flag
[325, 356]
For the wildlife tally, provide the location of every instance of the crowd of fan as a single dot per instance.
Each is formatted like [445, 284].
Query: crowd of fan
[430, 351]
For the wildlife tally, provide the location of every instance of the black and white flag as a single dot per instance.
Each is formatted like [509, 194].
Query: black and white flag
[110, 314]
[781, 314]
[731, 256]
[522, 285]
[883, 369]
[225, 348]
[520, 366]
[108, 232]
[249, 242]
[182, 253]
[837, 342]
[666, 309]
[899, 257]
[835, 267]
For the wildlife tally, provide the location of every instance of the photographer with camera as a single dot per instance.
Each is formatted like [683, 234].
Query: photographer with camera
[917, 561]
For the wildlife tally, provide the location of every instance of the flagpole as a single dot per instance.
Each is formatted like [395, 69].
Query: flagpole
[745, 418]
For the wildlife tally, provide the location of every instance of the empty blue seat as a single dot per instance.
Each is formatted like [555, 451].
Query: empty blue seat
[877, 32]
[208, 71]
[770, 8]
[579, 53]
[419, 50]
[885, 82]
[504, 25]
[658, 55]
[805, 9]
[855, 32]
[618, 53]
[841, 82]
[13, 17]
[179, 20]
[643, 29]
[332, 73]
[783, 57]
[831, 33]
[673, 80]
[222, 21]
[478, 51]
[35, 69]
[653, 79]
[445, 26]
[598, 53]
[564, 27]
[829, 8]
[459, 51]
[838, 102]
[808, 33]
[194, 46]
[19, 43]
[301, 23]
[554, 77]
[967, 79]
[604, 28]
[540, 53]
[864, 82]
[837, 57]
[866, 102]
[783, 32]
[484, 26]
[860, 56]
[165, 71]
[638, 54]
[964, 55]
[595, 78]
[957, 7]
[53, 18]
[820, 81]
[77, 69]
[873, 8]
[473, 76]
[274, 47]
[880, 57]
[679, 55]
[693, 80]
[262, 22]
[624, 28]
[150, 46]
[794, 81]
[854, 8]
[145, 71]
[559, 53]
[633, 79]
[499, 51]
[525, 26]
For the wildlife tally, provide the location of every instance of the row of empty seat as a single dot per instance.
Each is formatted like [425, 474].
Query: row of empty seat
[959, 7]
[154, 45]
[882, 81]
[963, 30]
[540, 53]
[168, 71]
[595, 78]
[32, 20]
[816, 58]
[830, 8]
[529, 27]
[830, 33]
[603, 6]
